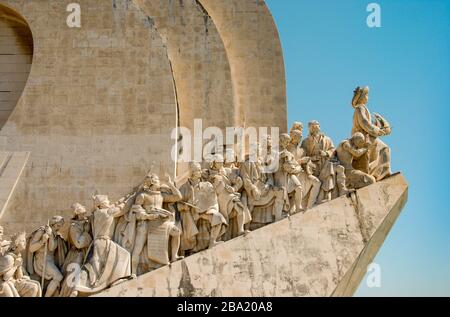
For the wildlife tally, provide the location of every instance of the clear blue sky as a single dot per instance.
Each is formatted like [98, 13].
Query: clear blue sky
[329, 50]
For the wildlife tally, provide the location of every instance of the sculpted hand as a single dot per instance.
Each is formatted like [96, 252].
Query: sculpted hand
[256, 193]
[169, 179]
[45, 237]
[48, 230]
[18, 262]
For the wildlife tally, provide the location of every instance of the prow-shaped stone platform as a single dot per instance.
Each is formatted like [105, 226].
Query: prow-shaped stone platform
[12, 165]
[324, 252]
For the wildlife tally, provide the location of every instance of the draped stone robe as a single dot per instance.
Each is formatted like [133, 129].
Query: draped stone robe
[109, 262]
[377, 161]
[324, 169]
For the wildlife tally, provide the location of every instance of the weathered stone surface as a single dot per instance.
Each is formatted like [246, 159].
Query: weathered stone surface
[323, 252]
[11, 168]
[255, 54]
[101, 101]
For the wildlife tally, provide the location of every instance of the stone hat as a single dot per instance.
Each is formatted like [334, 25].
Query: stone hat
[55, 220]
[99, 199]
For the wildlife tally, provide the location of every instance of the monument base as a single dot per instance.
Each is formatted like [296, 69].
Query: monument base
[324, 252]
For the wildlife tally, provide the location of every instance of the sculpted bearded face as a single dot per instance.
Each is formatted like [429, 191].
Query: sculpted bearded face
[285, 139]
[152, 182]
[79, 210]
[297, 126]
[196, 171]
[56, 223]
[296, 137]
[20, 242]
[314, 128]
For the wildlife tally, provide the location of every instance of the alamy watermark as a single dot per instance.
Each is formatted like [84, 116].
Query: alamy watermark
[236, 146]
[74, 18]
[374, 18]
[373, 276]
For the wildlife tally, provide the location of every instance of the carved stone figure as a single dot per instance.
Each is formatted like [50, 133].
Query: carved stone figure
[109, 262]
[321, 150]
[13, 279]
[4, 244]
[347, 152]
[227, 187]
[377, 161]
[46, 253]
[310, 184]
[286, 177]
[79, 242]
[265, 200]
[297, 126]
[155, 225]
[203, 224]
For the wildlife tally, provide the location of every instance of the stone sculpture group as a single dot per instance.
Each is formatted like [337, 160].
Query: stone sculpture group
[159, 223]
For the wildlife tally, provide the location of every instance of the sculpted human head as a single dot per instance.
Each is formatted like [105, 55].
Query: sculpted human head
[314, 127]
[79, 210]
[360, 96]
[358, 140]
[152, 182]
[195, 171]
[19, 242]
[297, 126]
[56, 223]
[218, 162]
[285, 140]
[101, 202]
[296, 137]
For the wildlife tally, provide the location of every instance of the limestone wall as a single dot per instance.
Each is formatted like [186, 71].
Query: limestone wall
[97, 111]
[256, 59]
[101, 101]
[16, 52]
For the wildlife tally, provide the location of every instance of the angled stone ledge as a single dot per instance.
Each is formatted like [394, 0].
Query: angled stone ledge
[324, 252]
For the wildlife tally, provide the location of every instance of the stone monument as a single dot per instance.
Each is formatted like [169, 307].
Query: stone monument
[95, 111]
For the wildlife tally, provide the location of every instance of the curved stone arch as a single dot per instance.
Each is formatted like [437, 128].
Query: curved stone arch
[16, 56]
[200, 66]
[255, 54]
[97, 112]
[201, 71]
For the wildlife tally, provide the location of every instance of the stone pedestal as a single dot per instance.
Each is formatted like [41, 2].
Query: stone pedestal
[324, 252]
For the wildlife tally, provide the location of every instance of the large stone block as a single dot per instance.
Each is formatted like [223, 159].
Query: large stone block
[324, 252]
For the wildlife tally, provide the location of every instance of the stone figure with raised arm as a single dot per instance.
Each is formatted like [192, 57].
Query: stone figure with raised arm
[46, 253]
[107, 261]
[348, 151]
[310, 184]
[13, 279]
[321, 150]
[156, 226]
[377, 161]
